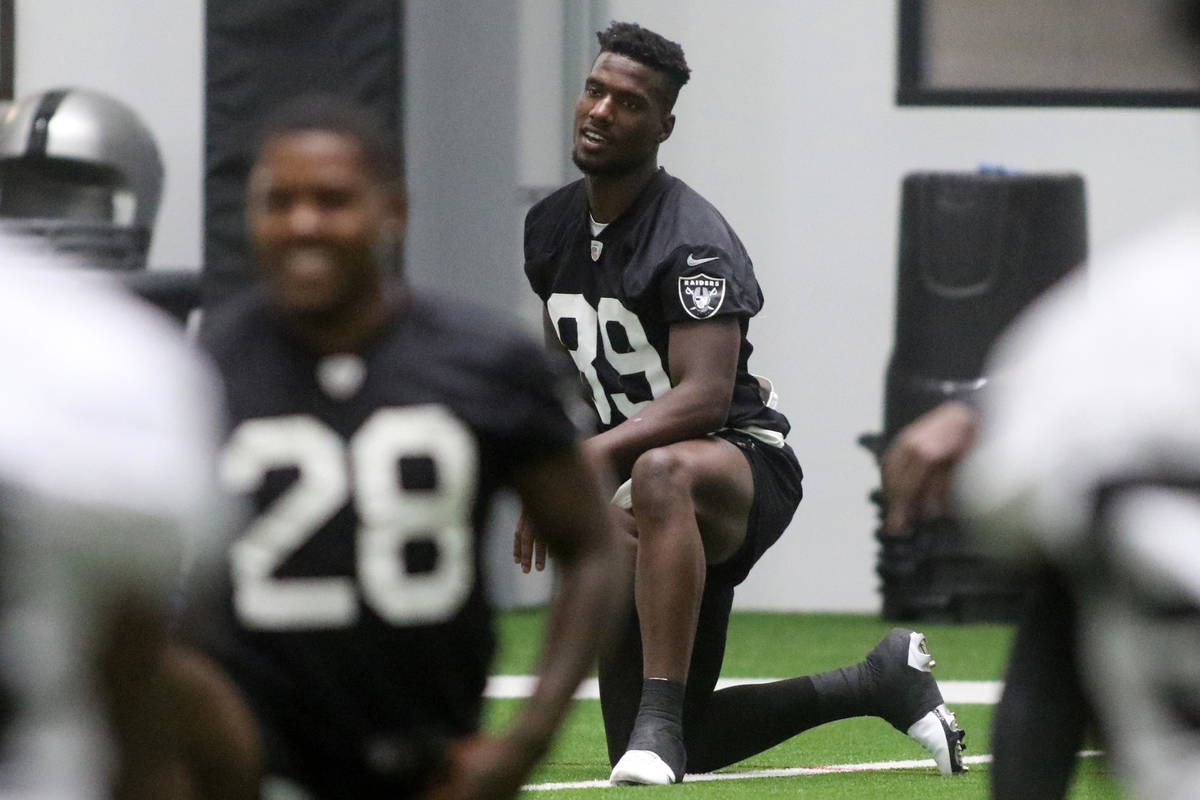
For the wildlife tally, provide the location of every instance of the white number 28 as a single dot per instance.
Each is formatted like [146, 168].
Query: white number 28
[365, 472]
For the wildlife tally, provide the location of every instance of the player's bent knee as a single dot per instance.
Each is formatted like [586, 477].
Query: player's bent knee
[661, 477]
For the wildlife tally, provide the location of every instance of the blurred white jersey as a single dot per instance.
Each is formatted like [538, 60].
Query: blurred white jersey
[108, 429]
[1095, 407]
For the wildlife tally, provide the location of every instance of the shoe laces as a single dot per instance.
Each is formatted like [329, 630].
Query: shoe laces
[957, 734]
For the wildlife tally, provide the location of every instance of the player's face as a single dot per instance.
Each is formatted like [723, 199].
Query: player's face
[620, 119]
[316, 214]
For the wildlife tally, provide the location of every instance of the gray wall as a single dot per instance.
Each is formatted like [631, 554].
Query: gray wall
[788, 126]
[460, 137]
[465, 208]
[485, 135]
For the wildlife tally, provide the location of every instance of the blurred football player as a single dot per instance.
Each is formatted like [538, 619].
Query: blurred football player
[109, 426]
[370, 426]
[1088, 460]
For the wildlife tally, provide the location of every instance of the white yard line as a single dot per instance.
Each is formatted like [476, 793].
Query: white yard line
[964, 692]
[961, 692]
[872, 766]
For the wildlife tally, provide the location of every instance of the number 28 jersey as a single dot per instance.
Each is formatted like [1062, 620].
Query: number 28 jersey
[669, 258]
[356, 606]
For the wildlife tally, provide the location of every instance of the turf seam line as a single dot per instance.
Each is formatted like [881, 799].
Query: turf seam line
[954, 692]
[786, 772]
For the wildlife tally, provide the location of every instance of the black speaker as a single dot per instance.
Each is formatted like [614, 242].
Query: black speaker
[975, 249]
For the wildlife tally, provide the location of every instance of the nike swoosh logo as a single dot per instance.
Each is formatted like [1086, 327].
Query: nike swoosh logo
[692, 261]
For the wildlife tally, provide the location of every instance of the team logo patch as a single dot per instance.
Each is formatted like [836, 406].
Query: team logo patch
[701, 295]
[597, 246]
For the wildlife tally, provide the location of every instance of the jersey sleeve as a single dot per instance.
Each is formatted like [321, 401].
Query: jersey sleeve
[530, 415]
[548, 226]
[702, 269]
[535, 259]
[703, 281]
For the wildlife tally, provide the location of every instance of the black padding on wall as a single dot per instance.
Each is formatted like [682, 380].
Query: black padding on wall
[975, 249]
[260, 53]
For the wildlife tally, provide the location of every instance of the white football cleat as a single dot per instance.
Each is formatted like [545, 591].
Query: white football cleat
[909, 698]
[642, 768]
[938, 732]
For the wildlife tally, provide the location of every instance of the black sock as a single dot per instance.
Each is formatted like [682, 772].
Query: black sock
[845, 692]
[743, 721]
[659, 723]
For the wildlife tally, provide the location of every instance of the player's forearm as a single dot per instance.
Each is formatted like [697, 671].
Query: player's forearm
[563, 503]
[686, 411]
[703, 359]
[916, 468]
[582, 619]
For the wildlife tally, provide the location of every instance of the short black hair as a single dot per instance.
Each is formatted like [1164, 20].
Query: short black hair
[647, 47]
[331, 113]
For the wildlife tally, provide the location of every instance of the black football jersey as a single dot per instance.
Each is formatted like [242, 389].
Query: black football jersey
[356, 619]
[668, 258]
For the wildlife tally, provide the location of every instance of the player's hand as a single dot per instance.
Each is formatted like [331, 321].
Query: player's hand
[482, 768]
[528, 550]
[918, 466]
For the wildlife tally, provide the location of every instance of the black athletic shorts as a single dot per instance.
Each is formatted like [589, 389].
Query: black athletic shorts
[777, 493]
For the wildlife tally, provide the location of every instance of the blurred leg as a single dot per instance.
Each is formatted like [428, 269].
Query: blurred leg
[1039, 723]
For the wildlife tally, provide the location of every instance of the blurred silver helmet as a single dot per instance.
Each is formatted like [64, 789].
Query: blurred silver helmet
[81, 174]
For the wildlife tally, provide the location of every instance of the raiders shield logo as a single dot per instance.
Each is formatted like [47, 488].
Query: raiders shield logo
[597, 246]
[701, 295]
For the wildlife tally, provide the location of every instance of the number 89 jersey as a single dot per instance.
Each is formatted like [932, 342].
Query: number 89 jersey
[355, 603]
[669, 258]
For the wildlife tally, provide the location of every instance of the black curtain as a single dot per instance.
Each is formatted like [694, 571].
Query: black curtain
[260, 53]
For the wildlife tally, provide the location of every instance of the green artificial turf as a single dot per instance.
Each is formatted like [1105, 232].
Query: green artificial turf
[770, 644]
[783, 645]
